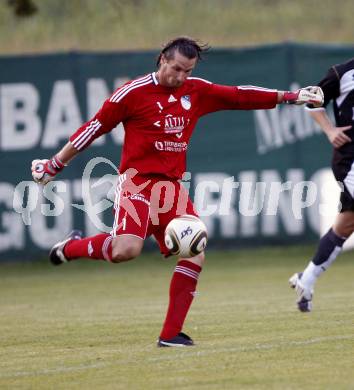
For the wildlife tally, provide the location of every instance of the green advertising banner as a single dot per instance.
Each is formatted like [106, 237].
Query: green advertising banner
[256, 177]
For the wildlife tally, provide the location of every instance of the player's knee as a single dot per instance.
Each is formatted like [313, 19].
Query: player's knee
[344, 229]
[125, 248]
[347, 231]
[199, 259]
[350, 227]
[126, 253]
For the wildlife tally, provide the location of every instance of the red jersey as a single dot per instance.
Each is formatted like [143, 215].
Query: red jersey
[159, 121]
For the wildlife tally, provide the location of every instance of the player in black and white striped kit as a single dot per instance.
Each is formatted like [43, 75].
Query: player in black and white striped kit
[338, 86]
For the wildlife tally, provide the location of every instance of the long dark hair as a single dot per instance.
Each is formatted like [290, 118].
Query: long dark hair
[188, 47]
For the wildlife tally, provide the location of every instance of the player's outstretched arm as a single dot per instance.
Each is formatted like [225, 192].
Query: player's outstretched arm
[110, 114]
[43, 171]
[312, 95]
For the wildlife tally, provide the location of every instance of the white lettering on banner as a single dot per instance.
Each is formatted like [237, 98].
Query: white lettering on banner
[20, 124]
[50, 192]
[329, 194]
[205, 186]
[89, 226]
[283, 125]
[97, 93]
[208, 184]
[25, 209]
[278, 203]
[11, 226]
[251, 202]
[43, 235]
[63, 114]
[264, 206]
[228, 197]
[300, 204]
[255, 204]
[95, 202]
[321, 214]
[36, 210]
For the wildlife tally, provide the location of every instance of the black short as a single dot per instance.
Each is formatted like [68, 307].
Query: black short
[346, 201]
[343, 170]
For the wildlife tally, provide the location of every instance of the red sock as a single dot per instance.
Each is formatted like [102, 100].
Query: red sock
[182, 289]
[96, 247]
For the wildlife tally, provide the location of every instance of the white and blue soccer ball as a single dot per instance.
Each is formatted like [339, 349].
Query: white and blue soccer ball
[186, 236]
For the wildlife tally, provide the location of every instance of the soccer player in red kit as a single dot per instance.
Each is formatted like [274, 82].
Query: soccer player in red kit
[159, 112]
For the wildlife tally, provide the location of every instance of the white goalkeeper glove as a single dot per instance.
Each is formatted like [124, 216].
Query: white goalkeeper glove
[312, 95]
[43, 171]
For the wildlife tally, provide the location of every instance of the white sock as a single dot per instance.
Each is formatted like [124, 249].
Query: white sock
[310, 275]
[313, 271]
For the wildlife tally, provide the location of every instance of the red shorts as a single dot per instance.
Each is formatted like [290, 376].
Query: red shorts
[145, 205]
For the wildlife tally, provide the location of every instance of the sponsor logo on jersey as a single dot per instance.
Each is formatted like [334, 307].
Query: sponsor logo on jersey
[186, 102]
[175, 124]
[159, 145]
[140, 197]
[170, 146]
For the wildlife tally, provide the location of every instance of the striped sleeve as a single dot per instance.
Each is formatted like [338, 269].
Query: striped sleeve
[250, 97]
[129, 87]
[86, 134]
[106, 119]
[114, 110]
[222, 97]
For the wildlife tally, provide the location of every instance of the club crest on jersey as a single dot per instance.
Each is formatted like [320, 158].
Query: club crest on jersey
[186, 102]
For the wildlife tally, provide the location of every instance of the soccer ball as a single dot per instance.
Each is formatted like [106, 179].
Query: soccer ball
[186, 236]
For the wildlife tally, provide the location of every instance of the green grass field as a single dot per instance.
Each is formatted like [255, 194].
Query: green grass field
[91, 325]
[147, 24]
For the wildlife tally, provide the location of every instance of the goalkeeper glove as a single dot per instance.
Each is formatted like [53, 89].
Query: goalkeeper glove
[43, 171]
[311, 95]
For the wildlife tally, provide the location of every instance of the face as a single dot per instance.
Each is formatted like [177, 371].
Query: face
[173, 72]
